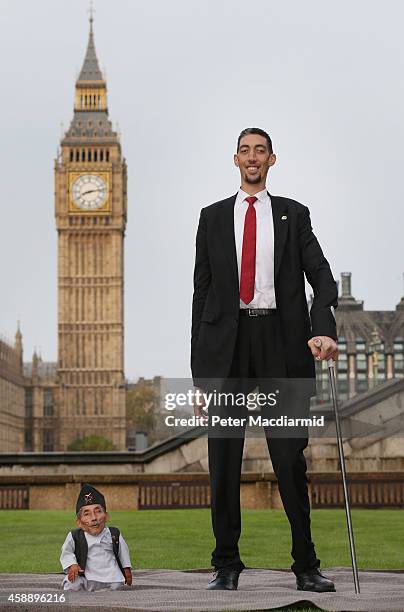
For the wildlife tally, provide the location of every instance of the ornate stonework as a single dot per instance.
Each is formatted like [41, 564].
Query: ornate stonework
[90, 212]
[12, 412]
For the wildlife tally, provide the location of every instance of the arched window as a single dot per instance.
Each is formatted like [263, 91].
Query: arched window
[77, 155]
[89, 154]
[361, 365]
[95, 155]
[398, 357]
[102, 155]
[83, 155]
[107, 155]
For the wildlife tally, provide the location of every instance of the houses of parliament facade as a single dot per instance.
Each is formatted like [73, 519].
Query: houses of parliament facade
[47, 406]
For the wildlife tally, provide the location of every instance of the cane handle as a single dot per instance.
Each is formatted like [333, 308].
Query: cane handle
[330, 361]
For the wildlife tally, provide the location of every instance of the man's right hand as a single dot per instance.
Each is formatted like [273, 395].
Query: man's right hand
[200, 409]
[73, 572]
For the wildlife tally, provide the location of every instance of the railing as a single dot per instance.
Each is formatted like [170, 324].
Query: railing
[363, 493]
[174, 494]
[14, 498]
[192, 490]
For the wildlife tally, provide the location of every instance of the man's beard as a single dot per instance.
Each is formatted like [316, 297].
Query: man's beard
[252, 180]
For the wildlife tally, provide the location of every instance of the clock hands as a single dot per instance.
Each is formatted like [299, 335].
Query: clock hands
[91, 191]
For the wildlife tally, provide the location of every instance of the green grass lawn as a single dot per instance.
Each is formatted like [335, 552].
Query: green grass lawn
[30, 540]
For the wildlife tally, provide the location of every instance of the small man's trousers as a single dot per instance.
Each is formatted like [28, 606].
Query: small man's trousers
[82, 584]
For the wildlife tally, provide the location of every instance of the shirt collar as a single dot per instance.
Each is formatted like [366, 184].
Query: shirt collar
[100, 535]
[261, 196]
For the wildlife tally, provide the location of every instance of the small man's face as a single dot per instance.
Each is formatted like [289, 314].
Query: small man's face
[92, 519]
[253, 159]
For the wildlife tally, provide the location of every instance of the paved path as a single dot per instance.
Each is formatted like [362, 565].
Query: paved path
[184, 591]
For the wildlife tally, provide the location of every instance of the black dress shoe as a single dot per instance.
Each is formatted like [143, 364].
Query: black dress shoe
[314, 581]
[224, 580]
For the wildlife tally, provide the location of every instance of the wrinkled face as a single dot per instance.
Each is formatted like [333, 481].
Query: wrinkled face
[254, 159]
[92, 519]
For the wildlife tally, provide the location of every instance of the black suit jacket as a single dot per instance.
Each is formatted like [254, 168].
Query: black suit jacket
[215, 306]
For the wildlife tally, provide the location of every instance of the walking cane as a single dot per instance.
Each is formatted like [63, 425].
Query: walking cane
[333, 384]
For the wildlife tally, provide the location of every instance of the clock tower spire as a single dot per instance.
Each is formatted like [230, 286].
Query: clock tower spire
[91, 89]
[90, 212]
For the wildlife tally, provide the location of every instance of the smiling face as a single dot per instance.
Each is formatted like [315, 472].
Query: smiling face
[254, 159]
[92, 519]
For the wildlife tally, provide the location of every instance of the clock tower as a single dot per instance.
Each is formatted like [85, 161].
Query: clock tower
[90, 211]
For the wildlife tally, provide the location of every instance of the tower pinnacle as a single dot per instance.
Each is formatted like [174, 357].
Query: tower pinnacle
[90, 103]
[91, 11]
[90, 70]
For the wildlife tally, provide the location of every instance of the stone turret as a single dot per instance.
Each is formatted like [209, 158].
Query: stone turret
[18, 346]
[346, 299]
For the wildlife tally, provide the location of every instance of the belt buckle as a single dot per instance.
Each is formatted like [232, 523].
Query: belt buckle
[251, 313]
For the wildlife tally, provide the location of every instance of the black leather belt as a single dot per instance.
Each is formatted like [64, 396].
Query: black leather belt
[257, 312]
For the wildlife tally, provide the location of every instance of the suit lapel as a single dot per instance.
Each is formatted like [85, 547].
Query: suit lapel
[229, 242]
[279, 210]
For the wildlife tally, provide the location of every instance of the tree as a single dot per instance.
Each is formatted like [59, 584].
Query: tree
[91, 443]
[140, 408]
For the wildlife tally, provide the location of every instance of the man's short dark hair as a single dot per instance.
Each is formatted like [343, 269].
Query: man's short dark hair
[254, 130]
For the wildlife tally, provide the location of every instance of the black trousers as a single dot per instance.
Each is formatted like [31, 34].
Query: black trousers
[258, 356]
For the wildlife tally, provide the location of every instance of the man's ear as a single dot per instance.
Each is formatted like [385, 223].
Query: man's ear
[106, 516]
[78, 522]
[235, 160]
[272, 159]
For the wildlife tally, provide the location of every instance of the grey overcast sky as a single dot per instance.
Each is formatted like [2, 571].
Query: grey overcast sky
[325, 79]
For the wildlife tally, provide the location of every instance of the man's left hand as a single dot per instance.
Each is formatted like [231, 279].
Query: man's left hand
[327, 350]
[128, 575]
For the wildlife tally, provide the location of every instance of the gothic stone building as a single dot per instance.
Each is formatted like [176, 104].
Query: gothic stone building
[84, 393]
[12, 414]
[90, 211]
[370, 342]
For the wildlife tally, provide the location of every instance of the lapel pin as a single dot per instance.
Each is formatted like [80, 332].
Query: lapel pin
[284, 217]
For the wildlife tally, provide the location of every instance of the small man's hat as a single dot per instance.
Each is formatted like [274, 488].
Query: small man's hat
[88, 496]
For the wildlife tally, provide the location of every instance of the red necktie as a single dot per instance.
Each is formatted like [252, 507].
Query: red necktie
[247, 276]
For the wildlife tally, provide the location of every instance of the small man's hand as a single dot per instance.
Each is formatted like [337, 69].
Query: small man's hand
[128, 575]
[73, 572]
[200, 409]
[323, 347]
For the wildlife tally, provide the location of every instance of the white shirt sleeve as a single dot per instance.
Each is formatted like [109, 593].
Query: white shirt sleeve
[124, 552]
[67, 556]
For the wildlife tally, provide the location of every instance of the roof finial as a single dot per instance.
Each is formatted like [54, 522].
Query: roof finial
[91, 12]
[90, 70]
[18, 335]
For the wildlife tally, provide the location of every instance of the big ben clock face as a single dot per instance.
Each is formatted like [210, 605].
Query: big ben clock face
[89, 192]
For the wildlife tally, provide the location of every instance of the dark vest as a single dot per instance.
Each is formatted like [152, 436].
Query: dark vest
[81, 546]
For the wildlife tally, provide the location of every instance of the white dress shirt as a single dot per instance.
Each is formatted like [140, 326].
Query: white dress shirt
[264, 289]
[101, 563]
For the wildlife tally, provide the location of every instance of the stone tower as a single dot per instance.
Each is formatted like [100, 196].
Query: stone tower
[90, 211]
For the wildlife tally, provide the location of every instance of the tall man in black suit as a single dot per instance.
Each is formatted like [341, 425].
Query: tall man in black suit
[250, 321]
